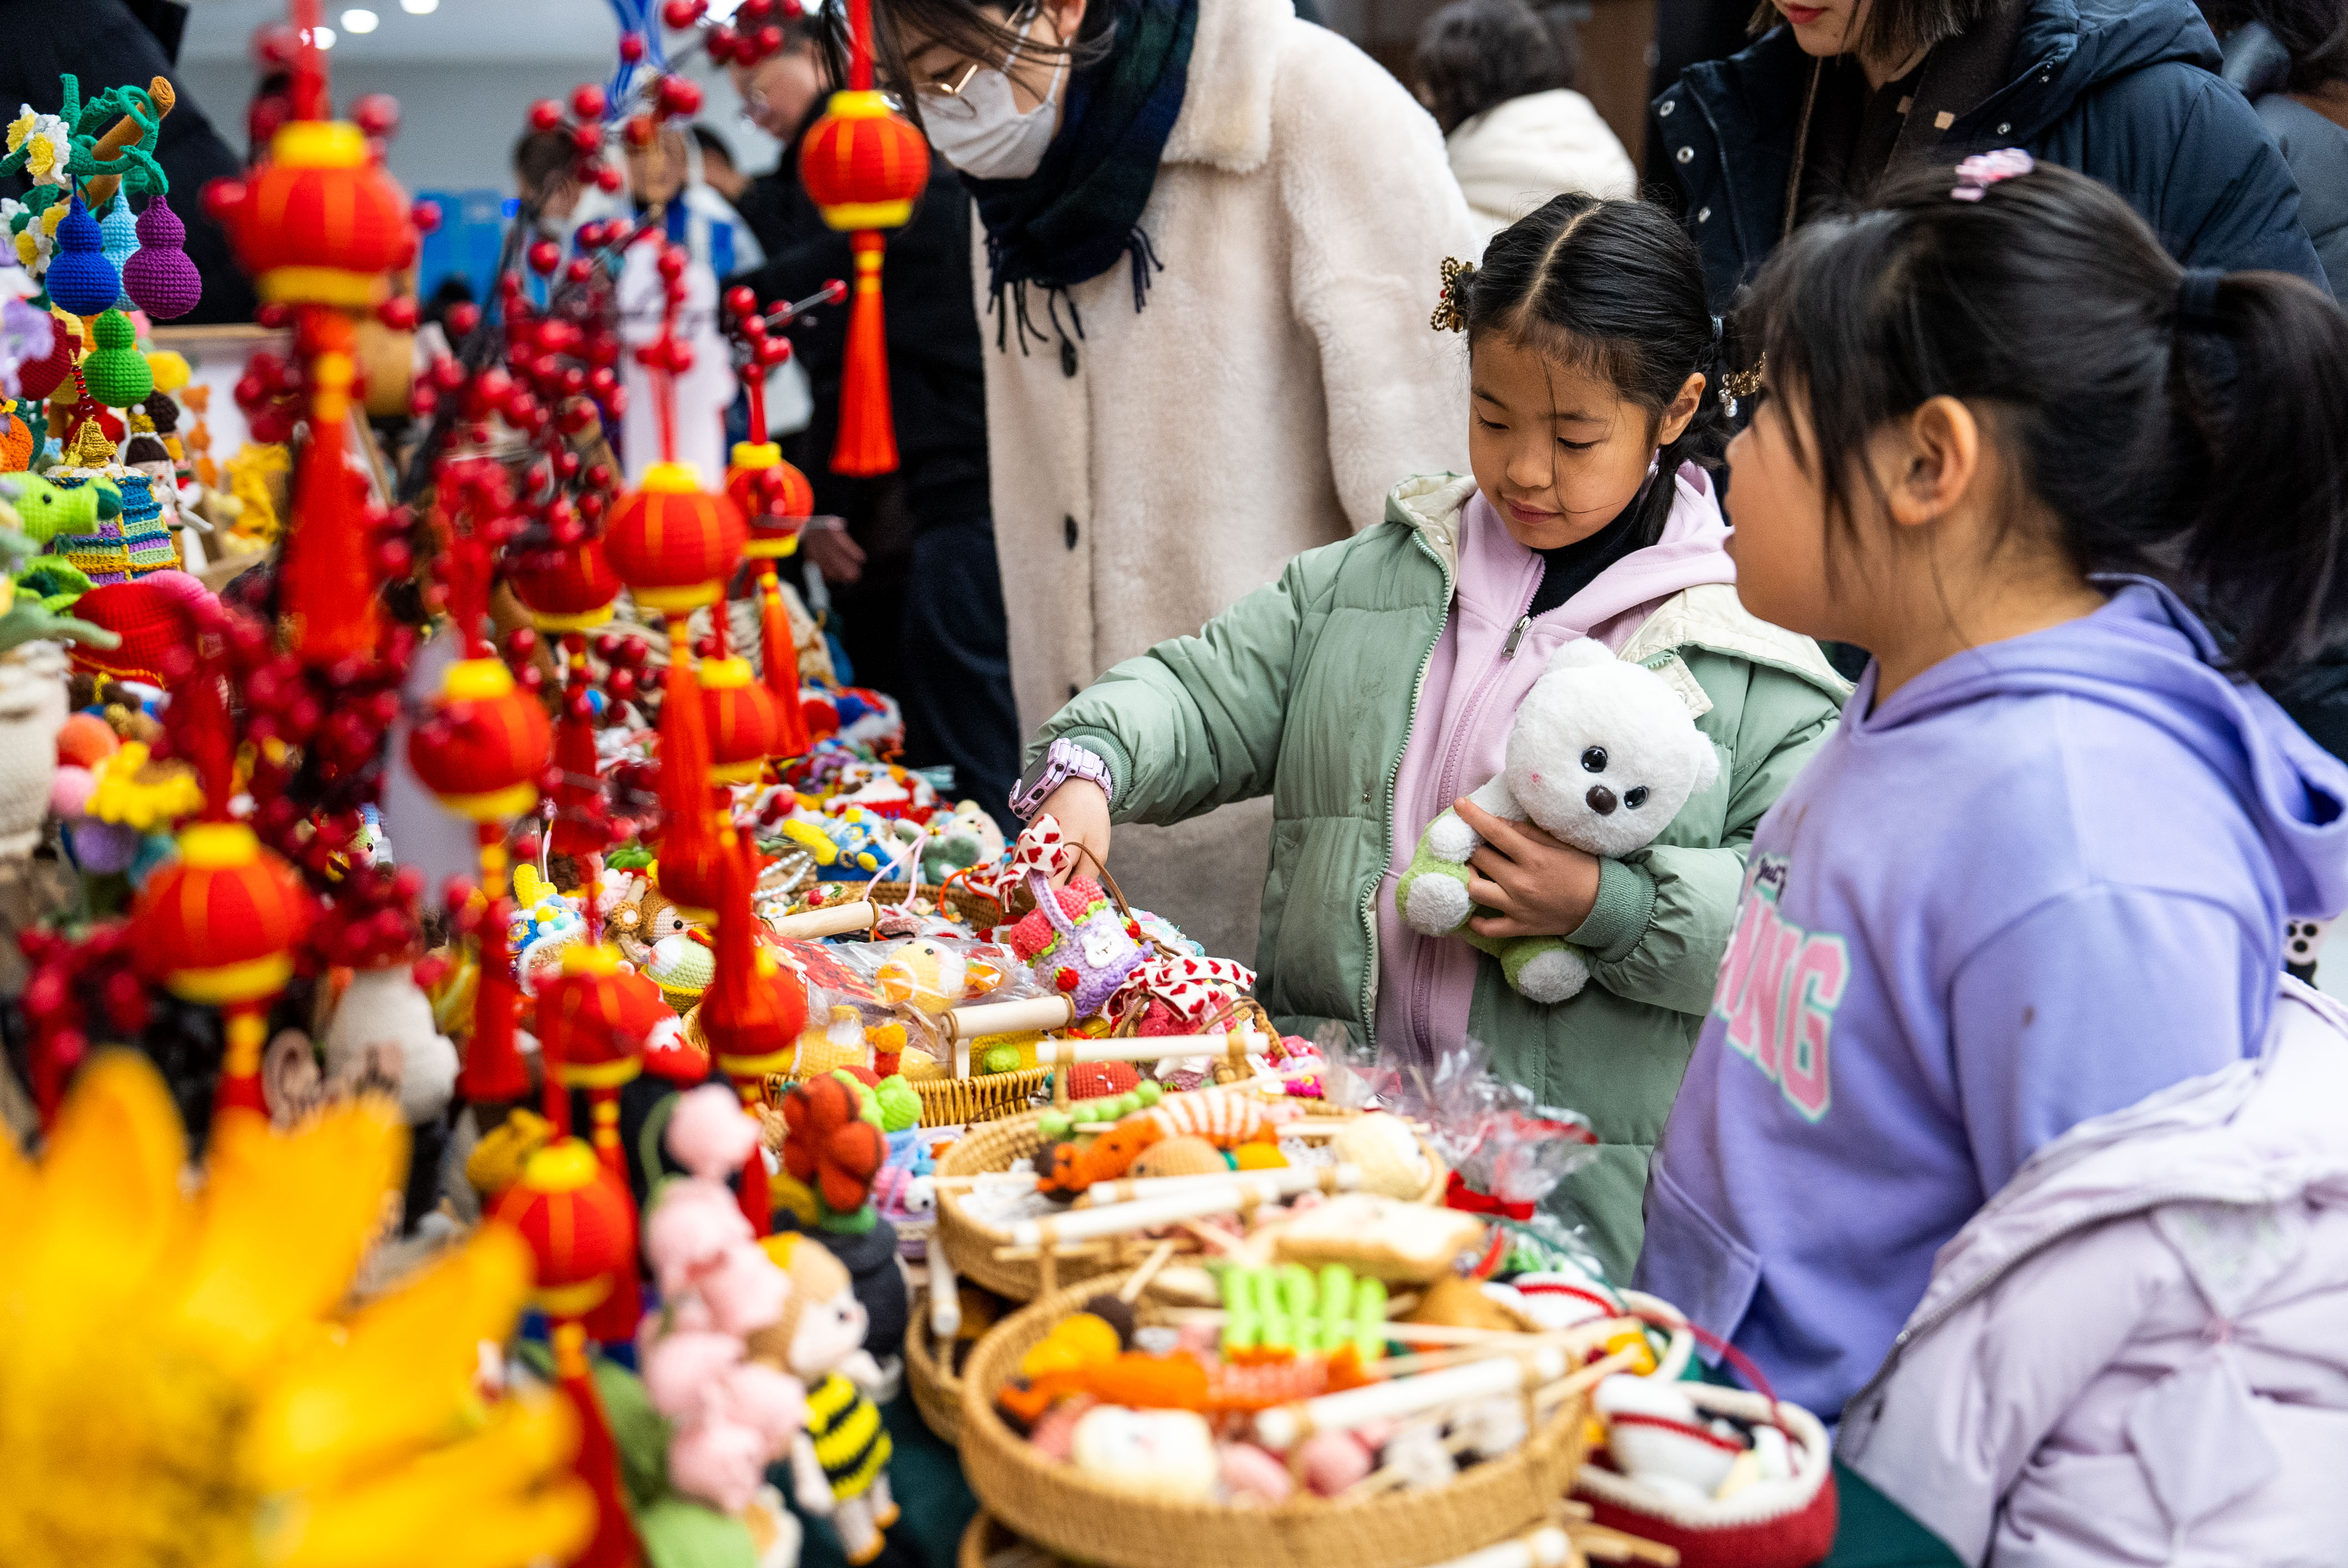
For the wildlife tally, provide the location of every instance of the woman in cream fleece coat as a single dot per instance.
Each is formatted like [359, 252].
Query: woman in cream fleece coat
[1153, 462]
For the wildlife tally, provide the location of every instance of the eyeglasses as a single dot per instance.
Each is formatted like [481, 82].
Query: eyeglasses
[1020, 21]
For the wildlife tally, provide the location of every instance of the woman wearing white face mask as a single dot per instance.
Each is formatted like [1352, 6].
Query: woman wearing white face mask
[1210, 238]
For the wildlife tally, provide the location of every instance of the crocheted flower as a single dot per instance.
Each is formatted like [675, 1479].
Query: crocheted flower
[183, 1382]
[51, 146]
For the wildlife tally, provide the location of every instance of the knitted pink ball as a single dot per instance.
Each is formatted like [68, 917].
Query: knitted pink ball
[158, 277]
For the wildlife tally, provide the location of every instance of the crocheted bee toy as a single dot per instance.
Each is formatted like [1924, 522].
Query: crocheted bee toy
[1602, 754]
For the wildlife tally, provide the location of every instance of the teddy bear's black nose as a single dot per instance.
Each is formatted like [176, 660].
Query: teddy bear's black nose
[1601, 799]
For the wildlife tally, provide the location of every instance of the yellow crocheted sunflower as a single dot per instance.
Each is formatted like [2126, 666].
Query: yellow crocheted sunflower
[138, 793]
[178, 1383]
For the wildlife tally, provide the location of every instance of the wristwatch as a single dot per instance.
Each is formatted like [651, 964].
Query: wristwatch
[1065, 760]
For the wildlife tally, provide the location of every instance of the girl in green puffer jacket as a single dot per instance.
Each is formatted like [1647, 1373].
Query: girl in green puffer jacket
[1373, 685]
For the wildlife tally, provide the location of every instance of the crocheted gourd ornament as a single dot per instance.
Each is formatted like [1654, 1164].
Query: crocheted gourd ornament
[80, 279]
[115, 372]
[159, 279]
[119, 233]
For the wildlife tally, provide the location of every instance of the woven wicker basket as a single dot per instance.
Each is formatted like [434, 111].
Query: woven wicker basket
[929, 1373]
[1061, 1510]
[983, 1539]
[970, 1242]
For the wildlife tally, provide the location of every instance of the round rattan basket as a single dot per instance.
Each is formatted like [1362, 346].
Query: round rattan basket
[1061, 1510]
[929, 1373]
[971, 1243]
[984, 1542]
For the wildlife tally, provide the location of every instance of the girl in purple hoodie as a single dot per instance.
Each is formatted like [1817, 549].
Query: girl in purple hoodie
[2041, 870]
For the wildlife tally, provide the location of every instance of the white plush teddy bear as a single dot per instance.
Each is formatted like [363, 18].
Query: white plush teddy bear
[1602, 754]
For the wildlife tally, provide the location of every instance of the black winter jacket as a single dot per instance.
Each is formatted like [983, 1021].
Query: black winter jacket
[2122, 91]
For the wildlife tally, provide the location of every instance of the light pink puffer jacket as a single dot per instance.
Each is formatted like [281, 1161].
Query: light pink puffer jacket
[2137, 1351]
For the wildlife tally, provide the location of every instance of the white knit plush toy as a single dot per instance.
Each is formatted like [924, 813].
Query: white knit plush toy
[1602, 756]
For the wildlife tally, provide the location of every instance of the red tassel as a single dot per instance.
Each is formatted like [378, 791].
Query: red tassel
[579, 828]
[781, 659]
[328, 576]
[244, 1029]
[614, 1544]
[615, 1317]
[692, 860]
[495, 1073]
[868, 434]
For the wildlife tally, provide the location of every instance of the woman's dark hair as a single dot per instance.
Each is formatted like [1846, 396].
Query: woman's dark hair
[1616, 290]
[2188, 427]
[1894, 29]
[1474, 54]
[2311, 38]
[965, 27]
[540, 158]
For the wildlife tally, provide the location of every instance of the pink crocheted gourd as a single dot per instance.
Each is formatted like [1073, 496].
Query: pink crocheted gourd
[158, 277]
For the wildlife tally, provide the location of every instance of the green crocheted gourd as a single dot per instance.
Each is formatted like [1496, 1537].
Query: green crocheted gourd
[116, 372]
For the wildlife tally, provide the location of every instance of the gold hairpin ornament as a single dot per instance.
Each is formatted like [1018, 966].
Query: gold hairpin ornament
[1739, 385]
[1449, 316]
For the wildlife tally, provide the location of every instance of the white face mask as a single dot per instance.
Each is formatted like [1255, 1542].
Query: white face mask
[980, 131]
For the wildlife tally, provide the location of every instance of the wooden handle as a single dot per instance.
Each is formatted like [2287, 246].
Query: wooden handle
[836, 920]
[120, 135]
[1030, 1015]
[1226, 1196]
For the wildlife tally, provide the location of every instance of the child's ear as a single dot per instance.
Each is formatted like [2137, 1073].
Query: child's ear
[1937, 451]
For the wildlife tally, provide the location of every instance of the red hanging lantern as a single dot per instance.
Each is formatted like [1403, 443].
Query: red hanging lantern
[778, 500]
[751, 1015]
[592, 1020]
[218, 927]
[320, 228]
[862, 164]
[566, 591]
[484, 744]
[673, 543]
[581, 1227]
[745, 721]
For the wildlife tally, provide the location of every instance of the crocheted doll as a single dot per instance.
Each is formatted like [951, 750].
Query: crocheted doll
[840, 1464]
[1602, 754]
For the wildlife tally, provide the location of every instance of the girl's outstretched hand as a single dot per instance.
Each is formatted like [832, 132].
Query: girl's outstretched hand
[1536, 885]
[1083, 813]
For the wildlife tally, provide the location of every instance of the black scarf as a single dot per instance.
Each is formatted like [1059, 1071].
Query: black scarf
[1081, 209]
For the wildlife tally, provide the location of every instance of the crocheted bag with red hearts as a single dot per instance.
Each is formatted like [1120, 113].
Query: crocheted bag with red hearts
[1078, 942]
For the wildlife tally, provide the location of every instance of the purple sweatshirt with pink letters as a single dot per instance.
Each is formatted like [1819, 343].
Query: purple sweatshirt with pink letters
[2042, 880]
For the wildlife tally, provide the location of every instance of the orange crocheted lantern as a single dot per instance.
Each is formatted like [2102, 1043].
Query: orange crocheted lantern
[745, 721]
[566, 591]
[218, 927]
[673, 543]
[862, 164]
[484, 745]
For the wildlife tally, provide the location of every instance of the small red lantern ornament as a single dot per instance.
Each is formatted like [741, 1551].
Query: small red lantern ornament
[568, 593]
[485, 743]
[218, 927]
[862, 164]
[592, 1020]
[745, 721]
[581, 1228]
[778, 500]
[320, 227]
[673, 542]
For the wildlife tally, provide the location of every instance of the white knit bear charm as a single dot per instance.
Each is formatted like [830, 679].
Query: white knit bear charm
[1602, 754]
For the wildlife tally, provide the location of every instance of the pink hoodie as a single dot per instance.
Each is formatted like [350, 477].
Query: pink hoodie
[1473, 685]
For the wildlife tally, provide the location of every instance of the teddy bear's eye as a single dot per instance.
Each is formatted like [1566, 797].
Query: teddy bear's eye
[1594, 760]
[1636, 798]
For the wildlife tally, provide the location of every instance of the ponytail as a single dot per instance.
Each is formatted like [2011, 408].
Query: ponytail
[2262, 388]
[2189, 425]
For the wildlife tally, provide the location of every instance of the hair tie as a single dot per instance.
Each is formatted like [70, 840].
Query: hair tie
[1984, 169]
[2197, 296]
[1450, 306]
